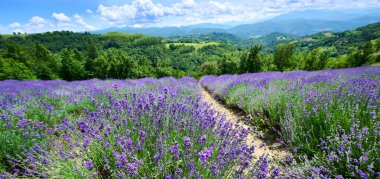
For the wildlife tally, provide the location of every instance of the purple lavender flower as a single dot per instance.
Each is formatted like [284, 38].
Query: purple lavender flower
[22, 123]
[175, 150]
[202, 139]
[3, 116]
[187, 141]
[127, 132]
[142, 134]
[205, 154]
[344, 137]
[362, 174]
[88, 165]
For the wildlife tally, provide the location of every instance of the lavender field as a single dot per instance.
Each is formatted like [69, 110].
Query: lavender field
[143, 128]
[331, 117]
[163, 128]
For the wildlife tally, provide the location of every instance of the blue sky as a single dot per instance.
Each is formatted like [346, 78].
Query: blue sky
[86, 15]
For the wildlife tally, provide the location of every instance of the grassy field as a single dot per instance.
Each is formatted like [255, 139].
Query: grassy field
[195, 45]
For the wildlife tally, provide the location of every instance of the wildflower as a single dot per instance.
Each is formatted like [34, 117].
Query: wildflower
[174, 149]
[205, 154]
[202, 139]
[344, 137]
[365, 130]
[22, 123]
[142, 134]
[187, 141]
[88, 165]
[362, 174]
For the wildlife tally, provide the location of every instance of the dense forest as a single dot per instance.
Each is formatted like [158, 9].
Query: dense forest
[75, 56]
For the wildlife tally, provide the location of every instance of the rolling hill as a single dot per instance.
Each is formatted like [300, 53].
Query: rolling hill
[299, 23]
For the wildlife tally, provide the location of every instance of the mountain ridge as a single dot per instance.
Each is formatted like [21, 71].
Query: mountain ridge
[298, 23]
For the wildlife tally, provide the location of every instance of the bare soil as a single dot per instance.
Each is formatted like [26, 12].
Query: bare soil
[264, 143]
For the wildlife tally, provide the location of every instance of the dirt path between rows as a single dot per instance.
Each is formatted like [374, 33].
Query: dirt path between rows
[264, 143]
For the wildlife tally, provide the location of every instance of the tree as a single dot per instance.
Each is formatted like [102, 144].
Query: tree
[114, 63]
[121, 65]
[361, 56]
[11, 69]
[71, 68]
[316, 60]
[15, 52]
[45, 65]
[144, 68]
[89, 64]
[78, 56]
[283, 55]
[209, 68]
[229, 64]
[250, 62]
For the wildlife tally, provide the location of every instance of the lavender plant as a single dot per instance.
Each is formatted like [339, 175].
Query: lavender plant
[120, 129]
[332, 115]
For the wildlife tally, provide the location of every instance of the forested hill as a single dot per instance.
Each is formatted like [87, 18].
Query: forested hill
[297, 23]
[75, 56]
[342, 42]
[53, 55]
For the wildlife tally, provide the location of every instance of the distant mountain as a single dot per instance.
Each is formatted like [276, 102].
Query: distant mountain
[197, 29]
[302, 23]
[151, 31]
[297, 23]
[211, 37]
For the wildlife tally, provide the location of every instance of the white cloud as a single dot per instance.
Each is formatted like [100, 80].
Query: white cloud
[80, 20]
[36, 20]
[147, 11]
[140, 13]
[200, 11]
[89, 11]
[14, 25]
[61, 17]
[117, 13]
[36, 24]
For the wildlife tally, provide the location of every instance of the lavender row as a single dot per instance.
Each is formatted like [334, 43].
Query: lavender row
[144, 128]
[331, 116]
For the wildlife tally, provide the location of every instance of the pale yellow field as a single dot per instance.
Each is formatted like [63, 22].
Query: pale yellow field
[195, 45]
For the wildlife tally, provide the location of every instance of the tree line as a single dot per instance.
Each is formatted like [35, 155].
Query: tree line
[286, 58]
[77, 56]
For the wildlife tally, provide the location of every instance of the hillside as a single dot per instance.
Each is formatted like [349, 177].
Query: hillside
[299, 23]
[341, 42]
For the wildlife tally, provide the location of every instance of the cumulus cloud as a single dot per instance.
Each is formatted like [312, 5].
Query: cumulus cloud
[61, 17]
[80, 20]
[197, 11]
[36, 24]
[36, 20]
[147, 11]
[89, 11]
[15, 25]
[140, 13]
